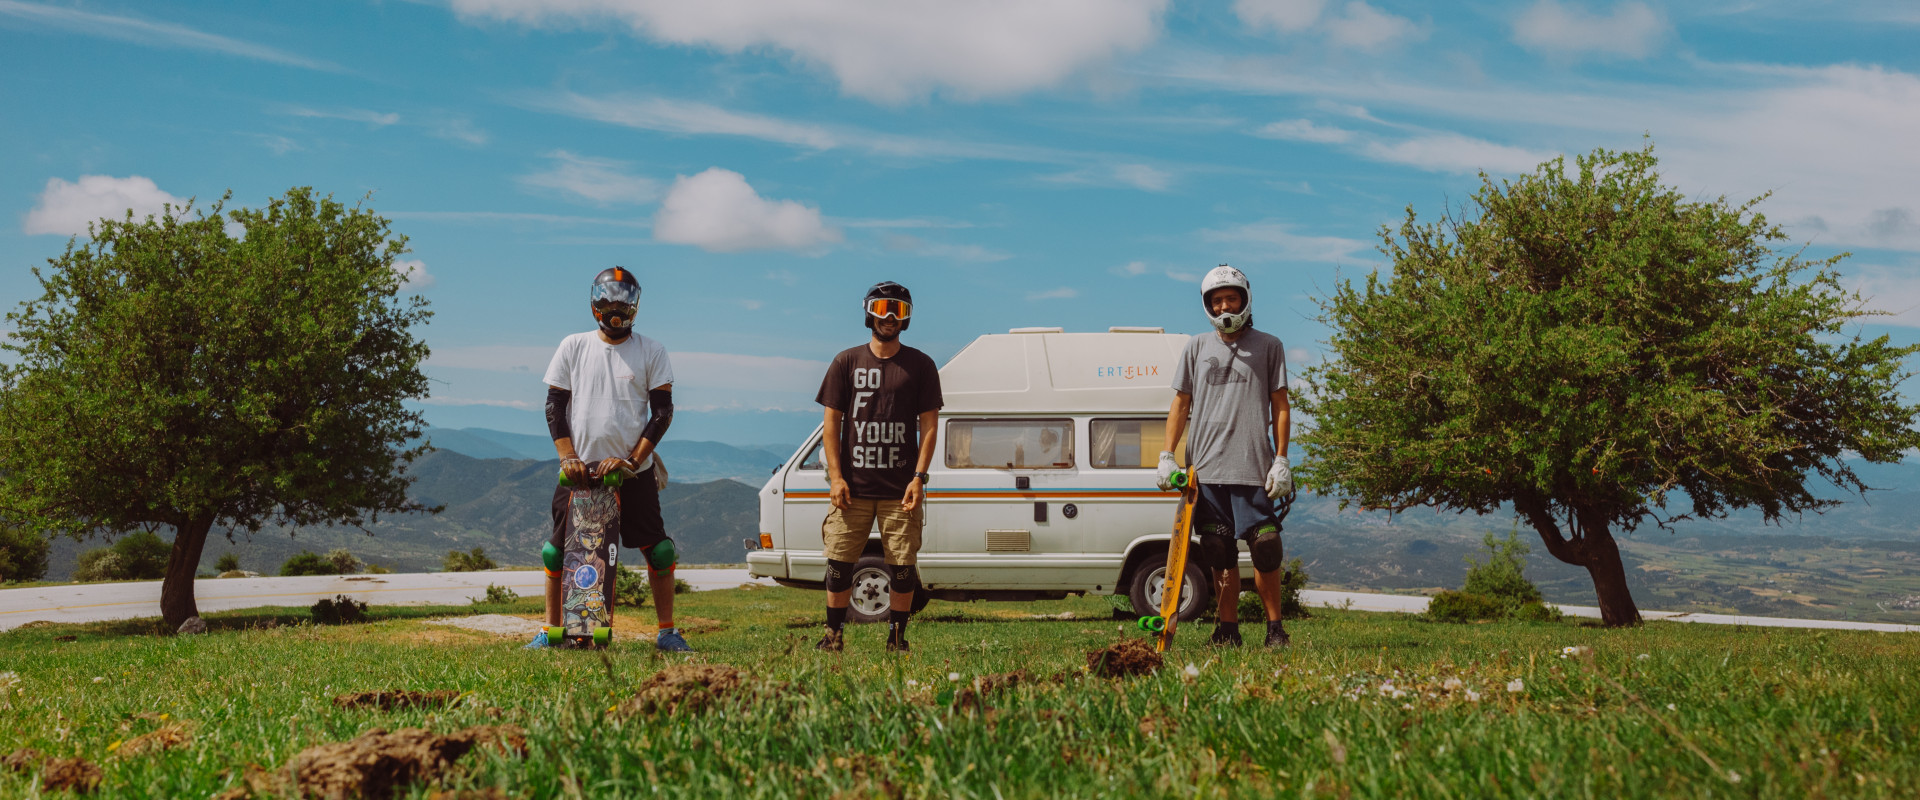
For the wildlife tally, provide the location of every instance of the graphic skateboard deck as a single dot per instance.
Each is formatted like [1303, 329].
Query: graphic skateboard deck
[593, 534]
[1177, 547]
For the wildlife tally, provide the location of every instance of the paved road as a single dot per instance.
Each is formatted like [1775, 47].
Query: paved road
[92, 602]
[102, 601]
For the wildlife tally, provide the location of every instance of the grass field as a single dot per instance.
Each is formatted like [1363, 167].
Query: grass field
[1362, 705]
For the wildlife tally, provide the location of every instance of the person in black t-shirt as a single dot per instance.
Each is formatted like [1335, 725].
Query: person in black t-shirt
[882, 404]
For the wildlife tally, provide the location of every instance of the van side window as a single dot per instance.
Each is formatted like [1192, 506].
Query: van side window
[1132, 443]
[1009, 443]
[812, 461]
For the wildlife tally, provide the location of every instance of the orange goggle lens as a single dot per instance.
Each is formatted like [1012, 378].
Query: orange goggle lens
[898, 309]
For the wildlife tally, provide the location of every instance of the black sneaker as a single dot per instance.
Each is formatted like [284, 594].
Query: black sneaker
[833, 642]
[1224, 636]
[1277, 635]
[898, 644]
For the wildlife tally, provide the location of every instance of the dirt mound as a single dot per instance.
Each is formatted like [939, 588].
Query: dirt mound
[377, 764]
[392, 699]
[1123, 659]
[162, 738]
[21, 760]
[56, 774]
[687, 688]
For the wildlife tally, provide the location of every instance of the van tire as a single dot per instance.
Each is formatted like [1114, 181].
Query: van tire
[871, 590]
[1149, 577]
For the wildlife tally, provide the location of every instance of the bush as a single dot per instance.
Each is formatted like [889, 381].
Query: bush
[339, 611]
[376, 569]
[497, 595]
[1292, 580]
[137, 556]
[1503, 575]
[474, 561]
[306, 563]
[681, 586]
[227, 563]
[23, 554]
[1452, 606]
[630, 588]
[1538, 612]
[344, 563]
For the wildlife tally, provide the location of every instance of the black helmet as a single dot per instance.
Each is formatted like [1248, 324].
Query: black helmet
[615, 296]
[887, 298]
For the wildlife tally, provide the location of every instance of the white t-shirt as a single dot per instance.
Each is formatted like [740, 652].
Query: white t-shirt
[609, 383]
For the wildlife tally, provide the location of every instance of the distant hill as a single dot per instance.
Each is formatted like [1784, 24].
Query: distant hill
[687, 461]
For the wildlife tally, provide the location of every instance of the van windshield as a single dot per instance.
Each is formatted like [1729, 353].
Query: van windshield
[1009, 444]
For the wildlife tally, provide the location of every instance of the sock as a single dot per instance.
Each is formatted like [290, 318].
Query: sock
[897, 625]
[1223, 628]
[836, 618]
[1273, 626]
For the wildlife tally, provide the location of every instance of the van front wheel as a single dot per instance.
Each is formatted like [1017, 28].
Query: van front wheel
[872, 590]
[1150, 582]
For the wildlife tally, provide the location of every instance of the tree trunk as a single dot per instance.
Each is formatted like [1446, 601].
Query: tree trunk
[1592, 548]
[176, 592]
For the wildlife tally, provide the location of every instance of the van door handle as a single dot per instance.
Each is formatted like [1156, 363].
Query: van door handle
[1040, 511]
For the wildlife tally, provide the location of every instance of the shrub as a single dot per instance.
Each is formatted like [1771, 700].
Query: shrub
[473, 561]
[376, 569]
[344, 563]
[1292, 580]
[1503, 574]
[339, 611]
[1538, 612]
[137, 556]
[496, 595]
[681, 587]
[1452, 606]
[306, 563]
[23, 554]
[630, 588]
[227, 563]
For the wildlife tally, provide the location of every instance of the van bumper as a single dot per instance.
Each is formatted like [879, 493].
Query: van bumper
[767, 563]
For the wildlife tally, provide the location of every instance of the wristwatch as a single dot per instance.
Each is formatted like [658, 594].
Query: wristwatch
[924, 478]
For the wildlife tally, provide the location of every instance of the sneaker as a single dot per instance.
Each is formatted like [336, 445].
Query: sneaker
[1277, 635]
[539, 641]
[1225, 637]
[670, 641]
[833, 642]
[899, 645]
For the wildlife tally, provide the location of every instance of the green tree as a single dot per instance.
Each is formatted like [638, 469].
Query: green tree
[475, 561]
[174, 374]
[1591, 347]
[23, 553]
[137, 556]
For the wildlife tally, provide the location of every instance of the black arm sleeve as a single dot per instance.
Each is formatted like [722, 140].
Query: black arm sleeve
[557, 402]
[660, 401]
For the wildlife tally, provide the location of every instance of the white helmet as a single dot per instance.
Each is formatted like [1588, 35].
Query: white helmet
[1222, 277]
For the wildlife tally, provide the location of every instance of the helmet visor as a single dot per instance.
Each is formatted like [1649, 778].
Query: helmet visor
[614, 293]
[882, 308]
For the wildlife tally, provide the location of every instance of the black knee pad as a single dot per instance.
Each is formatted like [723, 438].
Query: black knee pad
[905, 579]
[1217, 552]
[839, 575]
[1267, 553]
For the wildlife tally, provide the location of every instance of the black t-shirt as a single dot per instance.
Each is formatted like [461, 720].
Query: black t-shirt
[882, 399]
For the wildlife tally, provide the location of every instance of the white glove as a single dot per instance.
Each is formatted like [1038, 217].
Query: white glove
[659, 473]
[1164, 477]
[1279, 478]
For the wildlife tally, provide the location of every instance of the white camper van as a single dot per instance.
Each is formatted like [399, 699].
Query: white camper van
[1043, 482]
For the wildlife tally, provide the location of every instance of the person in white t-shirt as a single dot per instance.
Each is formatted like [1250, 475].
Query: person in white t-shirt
[609, 400]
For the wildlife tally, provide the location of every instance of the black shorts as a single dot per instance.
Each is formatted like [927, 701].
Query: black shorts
[640, 524]
[1232, 512]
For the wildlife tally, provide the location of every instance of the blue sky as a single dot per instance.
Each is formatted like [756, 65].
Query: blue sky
[1079, 163]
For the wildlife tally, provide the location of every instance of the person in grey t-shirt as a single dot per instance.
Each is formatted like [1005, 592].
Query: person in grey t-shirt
[1232, 384]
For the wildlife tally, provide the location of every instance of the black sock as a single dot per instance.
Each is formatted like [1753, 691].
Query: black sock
[1274, 626]
[897, 624]
[836, 618]
[1224, 628]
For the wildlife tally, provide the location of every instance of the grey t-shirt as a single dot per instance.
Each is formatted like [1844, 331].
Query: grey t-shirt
[1230, 435]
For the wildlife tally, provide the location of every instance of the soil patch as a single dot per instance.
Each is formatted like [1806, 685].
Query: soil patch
[1125, 658]
[375, 765]
[22, 760]
[688, 688]
[390, 700]
[161, 738]
[496, 624]
[76, 774]
[974, 697]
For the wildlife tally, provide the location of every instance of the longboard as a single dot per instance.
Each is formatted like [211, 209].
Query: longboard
[1163, 625]
[588, 563]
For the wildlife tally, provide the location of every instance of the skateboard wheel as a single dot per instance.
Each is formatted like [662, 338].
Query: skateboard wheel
[1153, 624]
[556, 634]
[602, 636]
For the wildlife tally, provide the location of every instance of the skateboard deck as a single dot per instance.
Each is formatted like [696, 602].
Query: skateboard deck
[1182, 541]
[593, 533]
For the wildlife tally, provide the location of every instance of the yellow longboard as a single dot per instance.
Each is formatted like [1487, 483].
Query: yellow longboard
[1177, 547]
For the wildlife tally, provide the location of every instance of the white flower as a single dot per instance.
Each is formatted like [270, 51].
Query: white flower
[1473, 696]
[1516, 685]
[1452, 685]
[98, 679]
[1733, 777]
[912, 683]
[1397, 694]
[1567, 651]
[8, 679]
[953, 676]
[1672, 707]
[1642, 657]
[1192, 671]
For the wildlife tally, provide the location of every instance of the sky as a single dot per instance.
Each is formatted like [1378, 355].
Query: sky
[1074, 163]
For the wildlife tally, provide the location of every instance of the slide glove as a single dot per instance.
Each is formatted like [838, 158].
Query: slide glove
[1163, 478]
[1279, 478]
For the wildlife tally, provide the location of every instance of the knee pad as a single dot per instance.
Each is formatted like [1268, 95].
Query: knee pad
[839, 575]
[904, 578]
[1267, 553]
[663, 556]
[1217, 552]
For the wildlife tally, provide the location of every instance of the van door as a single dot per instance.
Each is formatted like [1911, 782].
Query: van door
[1000, 502]
[1124, 453]
[804, 505]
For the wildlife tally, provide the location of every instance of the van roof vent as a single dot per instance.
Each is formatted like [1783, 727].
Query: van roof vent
[1037, 330]
[1136, 329]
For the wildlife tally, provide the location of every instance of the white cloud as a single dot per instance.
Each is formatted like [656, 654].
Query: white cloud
[1138, 176]
[1183, 277]
[67, 208]
[1363, 27]
[892, 51]
[152, 34]
[493, 358]
[1062, 293]
[1285, 16]
[601, 181]
[1301, 130]
[439, 125]
[718, 212]
[1896, 291]
[1276, 241]
[413, 273]
[458, 129]
[972, 253]
[374, 119]
[524, 405]
[1131, 268]
[743, 372]
[1451, 152]
[1561, 31]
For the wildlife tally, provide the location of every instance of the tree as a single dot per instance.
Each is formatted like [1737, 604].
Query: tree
[138, 556]
[1590, 347]
[174, 375]
[23, 553]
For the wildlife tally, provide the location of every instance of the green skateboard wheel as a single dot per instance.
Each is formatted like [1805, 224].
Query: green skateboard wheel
[612, 480]
[1179, 480]
[556, 635]
[602, 636]
[1153, 624]
[564, 480]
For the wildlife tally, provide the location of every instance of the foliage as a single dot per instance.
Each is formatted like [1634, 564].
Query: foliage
[227, 562]
[137, 556]
[630, 588]
[1503, 574]
[343, 562]
[473, 561]
[340, 610]
[196, 377]
[497, 594]
[680, 586]
[1538, 611]
[376, 569]
[1452, 606]
[1591, 347]
[1292, 580]
[23, 553]
[310, 563]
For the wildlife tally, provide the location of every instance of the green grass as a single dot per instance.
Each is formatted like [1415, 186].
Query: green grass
[1790, 713]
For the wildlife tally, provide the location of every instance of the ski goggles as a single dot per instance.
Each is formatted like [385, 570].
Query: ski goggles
[882, 308]
[614, 294]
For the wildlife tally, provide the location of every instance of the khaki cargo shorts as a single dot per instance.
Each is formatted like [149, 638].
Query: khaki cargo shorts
[844, 532]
